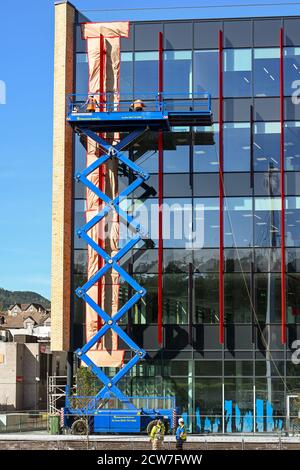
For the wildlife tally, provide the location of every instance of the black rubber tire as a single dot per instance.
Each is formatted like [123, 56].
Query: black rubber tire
[80, 427]
[150, 426]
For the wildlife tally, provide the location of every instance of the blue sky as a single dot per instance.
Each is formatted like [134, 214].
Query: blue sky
[26, 67]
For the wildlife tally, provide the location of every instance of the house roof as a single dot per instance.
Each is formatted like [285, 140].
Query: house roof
[18, 320]
[25, 307]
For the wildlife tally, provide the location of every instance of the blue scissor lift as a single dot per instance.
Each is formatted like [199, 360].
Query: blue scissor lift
[127, 414]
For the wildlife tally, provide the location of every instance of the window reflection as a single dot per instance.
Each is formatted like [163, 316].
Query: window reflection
[206, 72]
[206, 156]
[206, 289]
[175, 298]
[177, 161]
[268, 297]
[237, 146]
[145, 65]
[206, 211]
[237, 72]
[178, 73]
[267, 222]
[82, 74]
[292, 146]
[291, 68]
[266, 146]
[126, 75]
[238, 222]
[266, 72]
[292, 221]
[236, 298]
[293, 298]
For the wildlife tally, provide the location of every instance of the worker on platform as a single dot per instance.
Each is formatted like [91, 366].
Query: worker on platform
[91, 104]
[180, 434]
[137, 105]
[157, 435]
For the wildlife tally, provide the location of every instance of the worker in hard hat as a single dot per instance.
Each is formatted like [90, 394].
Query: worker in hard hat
[91, 104]
[180, 434]
[157, 435]
[137, 105]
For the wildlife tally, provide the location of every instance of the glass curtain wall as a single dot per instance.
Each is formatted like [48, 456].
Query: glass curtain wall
[252, 373]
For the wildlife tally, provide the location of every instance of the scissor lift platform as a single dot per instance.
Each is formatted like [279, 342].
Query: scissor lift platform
[112, 115]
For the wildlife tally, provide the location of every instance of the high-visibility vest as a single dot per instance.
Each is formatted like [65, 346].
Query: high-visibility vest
[157, 432]
[181, 433]
[91, 105]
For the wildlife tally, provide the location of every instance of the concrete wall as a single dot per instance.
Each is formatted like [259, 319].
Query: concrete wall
[22, 382]
[62, 179]
[8, 373]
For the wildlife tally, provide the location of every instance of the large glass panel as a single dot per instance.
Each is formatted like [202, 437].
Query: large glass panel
[270, 404]
[291, 69]
[292, 145]
[80, 208]
[269, 368]
[266, 146]
[175, 368]
[206, 221]
[237, 146]
[144, 261]
[175, 298]
[238, 368]
[238, 222]
[237, 72]
[237, 298]
[267, 260]
[267, 184]
[177, 226]
[82, 74]
[292, 221]
[80, 261]
[237, 184]
[267, 222]
[206, 260]
[146, 312]
[293, 260]
[206, 185]
[177, 261]
[208, 368]
[126, 76]
[177, 161]
[238, 404]
[206, 298]
[206, 72]
[145, 75]
[208, 398]
[266, 71]
[206, 157]
[293, 298]
[178, 74]
[238, 260]
[268, 298]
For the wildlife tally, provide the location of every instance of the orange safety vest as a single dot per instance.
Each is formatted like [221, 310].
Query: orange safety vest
[91, 106]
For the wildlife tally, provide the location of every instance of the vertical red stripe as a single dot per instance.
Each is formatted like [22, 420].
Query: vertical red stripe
[282, 194]
[160, 202]
[221, 194]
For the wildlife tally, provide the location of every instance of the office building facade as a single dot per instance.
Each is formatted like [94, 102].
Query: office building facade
[231, 266]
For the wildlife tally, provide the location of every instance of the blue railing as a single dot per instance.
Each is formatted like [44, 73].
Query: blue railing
[161, 102]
